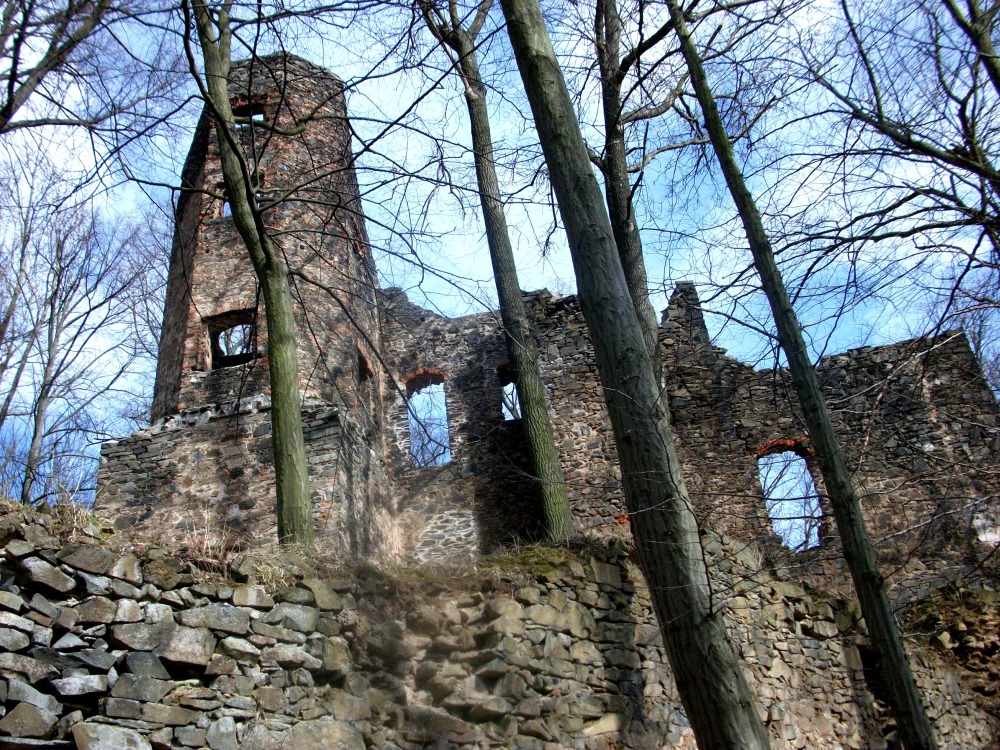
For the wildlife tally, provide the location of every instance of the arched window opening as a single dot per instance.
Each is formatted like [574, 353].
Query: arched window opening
[232, 338]
[430, 442]
[510, 404]
[792, 501]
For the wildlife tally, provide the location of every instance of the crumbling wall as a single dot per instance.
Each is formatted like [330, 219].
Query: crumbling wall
[484, 495]
[917, 421]
[918, 425]
[104, 648]
[212, 471]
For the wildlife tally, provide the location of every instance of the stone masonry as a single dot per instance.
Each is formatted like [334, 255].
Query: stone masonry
[108, 642]
[918, 421]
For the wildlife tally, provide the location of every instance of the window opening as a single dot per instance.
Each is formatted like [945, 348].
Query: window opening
[428, 416]
[510, 404]
[233, 338]
[249, 113]
[224, 208]
[365, 371]
[792, 501]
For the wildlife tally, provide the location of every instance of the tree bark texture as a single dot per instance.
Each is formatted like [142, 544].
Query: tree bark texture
[617, 186]
[907, 706]
[293, 499]
[521, 346]
[34, 455]
[708, 674]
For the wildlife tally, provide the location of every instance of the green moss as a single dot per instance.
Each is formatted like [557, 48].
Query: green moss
[530, 561]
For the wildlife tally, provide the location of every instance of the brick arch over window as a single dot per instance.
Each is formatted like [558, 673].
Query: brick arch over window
[800, 446]
[422, 377]
[427, 411]
[790, 492]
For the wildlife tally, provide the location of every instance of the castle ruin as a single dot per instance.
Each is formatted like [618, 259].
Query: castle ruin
[128, 640]
[919, 421]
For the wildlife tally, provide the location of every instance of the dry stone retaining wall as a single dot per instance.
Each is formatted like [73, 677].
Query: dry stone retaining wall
[105, 649]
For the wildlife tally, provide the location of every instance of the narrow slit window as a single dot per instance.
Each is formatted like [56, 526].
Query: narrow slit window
[792, 501]
[428, 415]
[223, 206]
[510, 404]
[365, 371]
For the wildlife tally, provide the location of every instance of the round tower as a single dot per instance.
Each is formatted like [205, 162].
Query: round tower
[213, 345]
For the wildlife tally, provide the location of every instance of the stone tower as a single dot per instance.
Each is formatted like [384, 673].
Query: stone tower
[213, 346]
[208, 453]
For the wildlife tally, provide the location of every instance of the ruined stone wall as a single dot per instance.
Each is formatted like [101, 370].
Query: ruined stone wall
[483, 495]
[919, 429]
[918, 424]
[115, 644]
[579, 417]
[211, 472]
[489, 472]
[917, 420]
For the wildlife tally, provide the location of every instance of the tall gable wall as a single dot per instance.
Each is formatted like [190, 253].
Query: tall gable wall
[918, 422]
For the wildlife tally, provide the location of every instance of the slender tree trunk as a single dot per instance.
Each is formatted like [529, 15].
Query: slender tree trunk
[907, 706]
[291, 468]
[709, 679]
[294, 504]
[33, 458]
[43, 399]
[521, 346]
[617, 186]
[15, 381]
[5, 326]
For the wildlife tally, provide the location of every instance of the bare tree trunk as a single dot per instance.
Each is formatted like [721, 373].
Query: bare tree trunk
[521, 346]
[34, 455]
[14, 383]
[907, 706]
[294, 504]
[53, 322]
[617, 186]
[709, 679]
